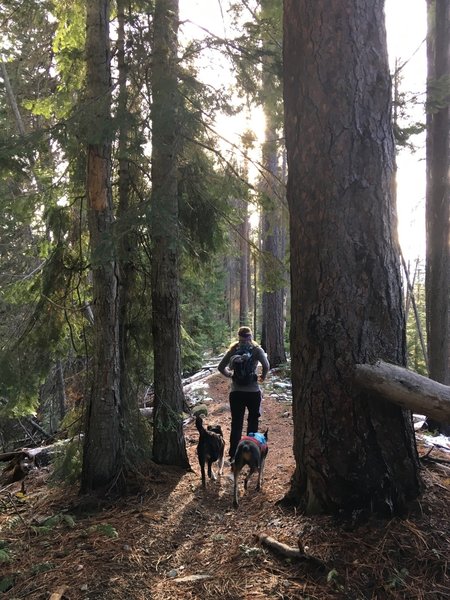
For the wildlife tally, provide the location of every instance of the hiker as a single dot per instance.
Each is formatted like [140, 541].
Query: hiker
[240, 363]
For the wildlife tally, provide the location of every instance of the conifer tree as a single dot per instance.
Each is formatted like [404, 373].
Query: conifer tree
[347, 307]
[168, 439]
[438, 196]
[103, 447]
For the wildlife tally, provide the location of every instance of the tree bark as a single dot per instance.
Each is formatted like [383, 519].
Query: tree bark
[244, 233]
[405, 388]
[347, 305]
[103, 448]
[438, 197]
[272, 268]
[168, 439]
[60, 390]
[127, 250]
[272, 261]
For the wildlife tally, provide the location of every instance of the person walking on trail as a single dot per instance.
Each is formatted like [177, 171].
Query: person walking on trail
[240, 364]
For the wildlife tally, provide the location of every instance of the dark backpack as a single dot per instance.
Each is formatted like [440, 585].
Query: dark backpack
[243, 369]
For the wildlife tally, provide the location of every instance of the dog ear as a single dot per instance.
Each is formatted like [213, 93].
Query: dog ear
[215, 429]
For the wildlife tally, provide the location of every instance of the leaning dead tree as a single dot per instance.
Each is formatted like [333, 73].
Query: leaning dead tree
[405, 388]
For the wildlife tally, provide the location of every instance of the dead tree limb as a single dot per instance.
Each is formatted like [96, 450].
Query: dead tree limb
[289, 551]
[281, 548]
[405, 388]
[38, 428]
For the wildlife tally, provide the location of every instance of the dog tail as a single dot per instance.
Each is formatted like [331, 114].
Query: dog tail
[199, 424]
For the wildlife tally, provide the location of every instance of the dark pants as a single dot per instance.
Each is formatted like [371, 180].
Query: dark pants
[239, 401]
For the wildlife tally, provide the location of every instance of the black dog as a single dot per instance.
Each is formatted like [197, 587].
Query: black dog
[252, 451]
[210, 448]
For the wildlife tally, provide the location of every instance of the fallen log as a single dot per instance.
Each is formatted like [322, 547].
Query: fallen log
[187, 383]
[406, 389]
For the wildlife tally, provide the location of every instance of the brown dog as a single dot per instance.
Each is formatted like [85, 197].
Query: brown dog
[252, 451]
[210, 448]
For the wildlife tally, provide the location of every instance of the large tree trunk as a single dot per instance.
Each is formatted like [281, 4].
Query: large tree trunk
[168, 440]
[244, 234]
[102, 457]
[272, 268]
[438, 197]
[127, 250]
[273, 272]
[346, 285]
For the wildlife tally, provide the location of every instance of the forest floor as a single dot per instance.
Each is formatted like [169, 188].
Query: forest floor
[175, 540]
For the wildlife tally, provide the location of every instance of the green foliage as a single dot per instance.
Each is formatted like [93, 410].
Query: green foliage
[405, 103]
[403, 134]
[200, 204]
[13, 159]
[5, 555]
[275, 272]
[14, 522]
[416, 359]
[42, 568]
[68, 49]
[24, 364]
[72, 423]
[67, 465]
[49, 524]
[6, 583]
[203, 308]
[69, 520]
[107, 530]
[41, 529]
[45, 281]
[284, 370]
[334, 579]
[205, 217]
[259, 50]
[38, 265]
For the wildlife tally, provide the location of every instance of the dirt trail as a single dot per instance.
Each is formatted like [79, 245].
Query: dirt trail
[175, 540]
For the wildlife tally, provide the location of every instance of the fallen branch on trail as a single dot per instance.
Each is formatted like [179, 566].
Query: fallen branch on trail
[289, 551]
[405, 388]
